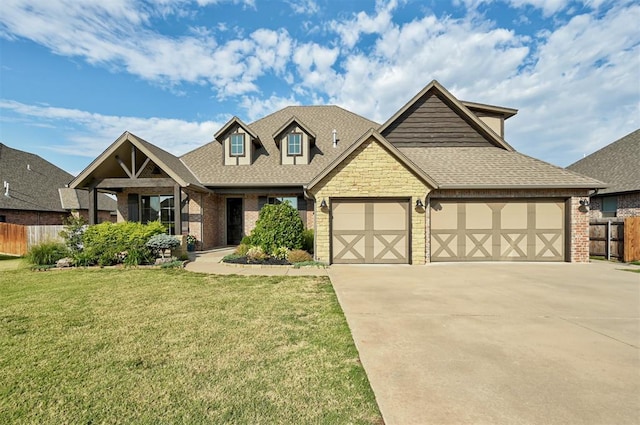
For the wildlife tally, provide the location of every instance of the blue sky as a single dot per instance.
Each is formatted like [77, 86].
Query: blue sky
[75, 74]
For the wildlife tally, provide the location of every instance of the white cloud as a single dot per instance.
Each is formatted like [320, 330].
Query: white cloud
[117, 34]
[362, 23]
[89, 134]
[257, 107]
[303, 7]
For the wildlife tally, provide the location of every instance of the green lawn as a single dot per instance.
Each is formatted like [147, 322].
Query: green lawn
[151, 346]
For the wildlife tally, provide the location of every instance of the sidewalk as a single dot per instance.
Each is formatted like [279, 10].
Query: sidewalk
[211, 262]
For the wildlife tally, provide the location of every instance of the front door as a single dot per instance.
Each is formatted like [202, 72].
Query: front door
[234, 221]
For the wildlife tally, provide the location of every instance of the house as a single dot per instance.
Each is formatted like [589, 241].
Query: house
[436, 182]
[617, 164]
[34, 193]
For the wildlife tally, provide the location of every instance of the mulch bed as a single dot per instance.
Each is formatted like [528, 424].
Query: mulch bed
[269, 261]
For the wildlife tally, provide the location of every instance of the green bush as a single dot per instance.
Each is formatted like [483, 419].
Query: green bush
[307, 240]
[108, 243]
[246, 241]
[299, 256]
[256, 254]
[278, 225]
[280, 253]
[47, 253]
[242, 249]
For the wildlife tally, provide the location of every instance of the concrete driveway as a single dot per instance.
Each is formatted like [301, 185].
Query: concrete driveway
[497, 343]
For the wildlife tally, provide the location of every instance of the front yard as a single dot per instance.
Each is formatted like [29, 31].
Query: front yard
[159, 346]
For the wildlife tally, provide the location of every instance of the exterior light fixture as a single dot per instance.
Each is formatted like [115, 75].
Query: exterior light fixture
[419, 204]
[323, 204]
[584, 202]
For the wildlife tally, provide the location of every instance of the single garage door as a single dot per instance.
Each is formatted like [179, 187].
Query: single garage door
[370, 231]
[498, 230]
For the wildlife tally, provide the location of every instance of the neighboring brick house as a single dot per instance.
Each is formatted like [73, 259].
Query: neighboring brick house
[436, 182]
[34, 193]
[618, 165]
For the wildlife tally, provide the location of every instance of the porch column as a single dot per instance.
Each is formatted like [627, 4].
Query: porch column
[93, 205]
[177, 208]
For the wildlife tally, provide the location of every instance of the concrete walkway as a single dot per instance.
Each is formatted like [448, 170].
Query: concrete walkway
[497, 343]
[211, 262]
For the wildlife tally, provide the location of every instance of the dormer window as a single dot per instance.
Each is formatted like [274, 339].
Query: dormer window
[294, 144]
[237, 144]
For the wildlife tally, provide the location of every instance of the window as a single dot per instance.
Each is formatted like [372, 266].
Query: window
[237, 144]
[159, 208]
[294, 144]
[292, 200]
[609, 206]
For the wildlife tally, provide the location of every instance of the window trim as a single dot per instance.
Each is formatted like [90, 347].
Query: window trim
[244, 151]
[293, 133]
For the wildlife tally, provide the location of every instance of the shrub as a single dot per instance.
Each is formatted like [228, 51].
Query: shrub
[74, 228]
[47, 253]
[246, 241]
[162, 242]
[280, 253]
[307, 240]
[278, 225]
[103, 242]
[299, 256]
[256, 254]
[242, 249]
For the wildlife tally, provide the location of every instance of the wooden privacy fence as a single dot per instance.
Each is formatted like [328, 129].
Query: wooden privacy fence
[615, 238]
[16, 239]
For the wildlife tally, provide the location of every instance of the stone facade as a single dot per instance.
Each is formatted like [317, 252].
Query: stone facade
[628, 205]
[370, 171]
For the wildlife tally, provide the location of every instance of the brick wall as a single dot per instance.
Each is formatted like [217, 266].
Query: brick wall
[370, 171]
[46, 218]
[628, 205]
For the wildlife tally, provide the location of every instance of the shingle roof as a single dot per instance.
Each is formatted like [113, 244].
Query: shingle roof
[492, 167]
[36, 188]
[206, 161]
[617, 164]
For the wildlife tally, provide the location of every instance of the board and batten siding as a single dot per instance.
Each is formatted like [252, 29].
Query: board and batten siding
[431, 122]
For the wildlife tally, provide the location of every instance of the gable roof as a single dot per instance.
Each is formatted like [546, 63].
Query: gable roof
[388, 146]
[300, 124]
[266, 169]
[34, 184]
[506, 113]
[434, 87]
[231, 123]
[169, 163]
[618, 164]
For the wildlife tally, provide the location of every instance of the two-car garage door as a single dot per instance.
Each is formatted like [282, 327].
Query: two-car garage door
[498, 230]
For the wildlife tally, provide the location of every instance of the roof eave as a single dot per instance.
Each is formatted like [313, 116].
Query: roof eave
[524, 186]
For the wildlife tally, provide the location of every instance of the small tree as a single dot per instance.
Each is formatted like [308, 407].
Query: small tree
[162, 242]
[278, 226]
[74, 228]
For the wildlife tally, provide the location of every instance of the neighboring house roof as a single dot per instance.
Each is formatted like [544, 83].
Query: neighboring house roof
[169, 163]
[617, 164]
[34, 185]
[266, 170]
